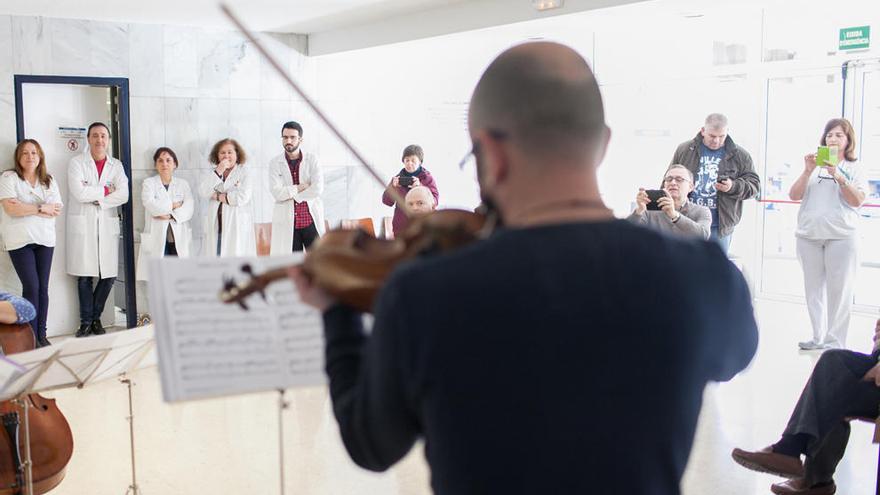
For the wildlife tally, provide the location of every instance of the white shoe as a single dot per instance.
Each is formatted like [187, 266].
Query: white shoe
[812, 345]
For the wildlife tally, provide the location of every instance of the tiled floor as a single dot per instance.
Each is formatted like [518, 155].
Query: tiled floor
[231, 446]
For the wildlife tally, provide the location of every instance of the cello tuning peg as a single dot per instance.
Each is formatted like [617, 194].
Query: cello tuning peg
[228, 283]
[242, 304]
[247, 269]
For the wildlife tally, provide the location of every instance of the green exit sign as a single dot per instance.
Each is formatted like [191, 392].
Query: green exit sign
[854, 38]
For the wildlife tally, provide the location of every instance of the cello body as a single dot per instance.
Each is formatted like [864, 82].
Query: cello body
[51, 441]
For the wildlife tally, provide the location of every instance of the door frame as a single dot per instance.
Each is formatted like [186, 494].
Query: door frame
[121, 85]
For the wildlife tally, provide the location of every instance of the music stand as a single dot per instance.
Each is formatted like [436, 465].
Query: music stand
[78, 363]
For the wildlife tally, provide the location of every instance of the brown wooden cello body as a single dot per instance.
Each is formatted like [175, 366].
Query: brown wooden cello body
[51, 441]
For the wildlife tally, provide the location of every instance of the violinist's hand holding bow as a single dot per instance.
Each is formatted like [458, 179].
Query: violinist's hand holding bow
[309, 293]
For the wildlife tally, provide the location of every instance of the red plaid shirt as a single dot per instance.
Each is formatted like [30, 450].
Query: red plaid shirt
[301, 216]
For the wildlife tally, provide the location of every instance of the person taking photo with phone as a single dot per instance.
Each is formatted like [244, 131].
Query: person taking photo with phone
[830, 194]
[671, 210]
[723, 173]
[413, 174]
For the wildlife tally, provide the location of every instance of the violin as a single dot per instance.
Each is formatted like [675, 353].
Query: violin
[51, 441]
[352, 265]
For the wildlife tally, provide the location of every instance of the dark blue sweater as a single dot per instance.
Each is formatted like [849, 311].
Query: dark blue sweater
[560, 359]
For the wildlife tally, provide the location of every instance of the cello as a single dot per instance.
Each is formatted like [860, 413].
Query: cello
[51, 441]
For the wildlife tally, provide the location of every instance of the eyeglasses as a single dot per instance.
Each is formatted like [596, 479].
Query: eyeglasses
[474, 152]
[678, 180]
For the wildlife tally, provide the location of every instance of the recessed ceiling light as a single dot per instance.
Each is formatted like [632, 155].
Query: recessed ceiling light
[547, 4]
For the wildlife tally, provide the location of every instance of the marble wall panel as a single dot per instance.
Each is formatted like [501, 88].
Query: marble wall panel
[6, 72]
[272, 86]
[212, 125]
[88, 48]
[7, 130]
[273, 114]
[31, 45]
[244, 127]
[147, 130]
[181, 52]
[244, 69]
[214, 63]
[146, 47]
[181, 131]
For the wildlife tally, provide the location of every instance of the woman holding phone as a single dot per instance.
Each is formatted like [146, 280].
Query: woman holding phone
[830, 193]
[413, 174]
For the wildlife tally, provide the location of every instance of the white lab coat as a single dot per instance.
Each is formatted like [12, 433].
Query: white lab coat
[92, 218]
[285, 193]
[239, 237]
[157, 202]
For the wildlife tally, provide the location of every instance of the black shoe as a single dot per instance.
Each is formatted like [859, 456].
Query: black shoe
[43, 342]
[97, 329]
[84, 330]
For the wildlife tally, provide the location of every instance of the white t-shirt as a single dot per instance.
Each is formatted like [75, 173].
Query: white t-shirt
[824, 213]
[18, 232]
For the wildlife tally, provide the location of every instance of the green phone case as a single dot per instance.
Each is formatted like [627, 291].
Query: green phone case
[826, 155]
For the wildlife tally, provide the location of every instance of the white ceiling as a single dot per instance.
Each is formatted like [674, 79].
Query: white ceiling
[282, 16]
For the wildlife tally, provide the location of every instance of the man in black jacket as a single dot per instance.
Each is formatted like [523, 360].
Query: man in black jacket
[552, 356]
[724, 175]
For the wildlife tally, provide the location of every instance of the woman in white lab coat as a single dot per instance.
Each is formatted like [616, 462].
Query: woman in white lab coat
[168, 208]
[31, 201]
[97, 186]
[229, 224]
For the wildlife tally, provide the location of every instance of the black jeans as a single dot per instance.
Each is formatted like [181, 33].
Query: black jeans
[91, 302]
[32, 264]
[304, 237]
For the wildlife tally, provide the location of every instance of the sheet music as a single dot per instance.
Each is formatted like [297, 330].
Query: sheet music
[207, 348]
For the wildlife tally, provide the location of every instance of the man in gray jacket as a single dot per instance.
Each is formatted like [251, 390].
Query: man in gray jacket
[723, 175]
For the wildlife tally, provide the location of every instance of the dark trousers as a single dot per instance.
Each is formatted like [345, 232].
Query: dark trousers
[304, 237]
[170, 249]
[32, 264]
[835, 391]
[92, 301]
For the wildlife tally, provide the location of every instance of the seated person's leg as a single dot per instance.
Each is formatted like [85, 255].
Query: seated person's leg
[816, 428]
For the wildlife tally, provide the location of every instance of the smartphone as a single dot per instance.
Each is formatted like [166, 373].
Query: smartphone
[653, 196]
[722, 177]
[826, 155]
[405, 181]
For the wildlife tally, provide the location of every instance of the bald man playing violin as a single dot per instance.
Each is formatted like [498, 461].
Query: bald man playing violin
[545, 358]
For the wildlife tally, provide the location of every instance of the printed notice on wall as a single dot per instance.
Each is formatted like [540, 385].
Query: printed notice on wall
[208, 348]
[73, 138]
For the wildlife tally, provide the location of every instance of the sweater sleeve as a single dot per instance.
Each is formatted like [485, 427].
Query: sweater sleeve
[376, 420]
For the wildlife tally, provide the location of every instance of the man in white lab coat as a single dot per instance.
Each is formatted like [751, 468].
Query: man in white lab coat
[97, 184]
[297, 184]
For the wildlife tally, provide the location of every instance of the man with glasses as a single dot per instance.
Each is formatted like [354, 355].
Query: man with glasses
[551, 356]
[724, 175]
[677, 214]
[296, 184]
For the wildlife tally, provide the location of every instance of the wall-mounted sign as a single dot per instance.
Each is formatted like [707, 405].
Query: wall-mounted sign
[855, 38]
[73, 138]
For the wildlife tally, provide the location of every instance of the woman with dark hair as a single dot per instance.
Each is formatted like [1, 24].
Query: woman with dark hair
[413, 174]
[31, 201]
[830, 193]
[168, 208]
[229, 225]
